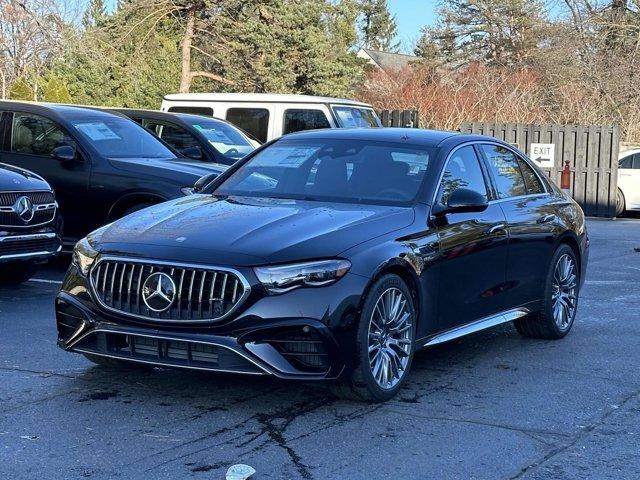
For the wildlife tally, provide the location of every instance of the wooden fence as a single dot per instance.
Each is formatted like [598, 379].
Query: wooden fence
[592, 152]
[400, 118]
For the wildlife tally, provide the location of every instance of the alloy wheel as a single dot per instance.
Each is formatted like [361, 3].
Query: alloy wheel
[390, 338]
[565, 283]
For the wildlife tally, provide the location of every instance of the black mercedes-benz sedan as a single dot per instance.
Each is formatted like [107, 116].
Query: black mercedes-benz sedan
[101, 165]
[333, 255]
[30, 227]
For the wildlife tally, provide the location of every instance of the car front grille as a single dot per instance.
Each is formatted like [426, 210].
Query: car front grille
[201, 294]
[25, 245]
[43, 203]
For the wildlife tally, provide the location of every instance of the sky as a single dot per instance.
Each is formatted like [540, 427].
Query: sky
[411, 16]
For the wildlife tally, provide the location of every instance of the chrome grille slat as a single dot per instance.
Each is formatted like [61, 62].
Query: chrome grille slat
[202, 293]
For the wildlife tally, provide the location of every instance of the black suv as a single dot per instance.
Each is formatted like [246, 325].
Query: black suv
[332, 254]
[101, 165]
[29, 224]
[195, 136]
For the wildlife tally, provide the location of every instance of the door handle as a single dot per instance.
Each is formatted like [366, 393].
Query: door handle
[495, 229]
[547, 218]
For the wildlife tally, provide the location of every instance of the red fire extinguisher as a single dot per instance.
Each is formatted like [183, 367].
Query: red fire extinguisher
[565, 181]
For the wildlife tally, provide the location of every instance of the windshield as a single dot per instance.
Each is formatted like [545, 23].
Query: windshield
[116, 137]
[353, 171]
[226, 139]
[349, 117]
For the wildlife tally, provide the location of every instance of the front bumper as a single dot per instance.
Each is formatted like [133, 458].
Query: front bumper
[306, 334]
[29, 246]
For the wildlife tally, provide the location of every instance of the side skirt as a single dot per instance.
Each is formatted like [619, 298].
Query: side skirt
[478, 325]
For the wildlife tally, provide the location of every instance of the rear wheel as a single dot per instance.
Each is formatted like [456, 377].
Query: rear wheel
[620, 203]
[384, 345]
[15, 273]
[560, 301]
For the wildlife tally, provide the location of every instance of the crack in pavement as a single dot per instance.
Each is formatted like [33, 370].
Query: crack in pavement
[585, 432]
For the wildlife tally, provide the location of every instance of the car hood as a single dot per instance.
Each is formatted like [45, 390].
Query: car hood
[249, 231]
[18, 179]
[167, 167]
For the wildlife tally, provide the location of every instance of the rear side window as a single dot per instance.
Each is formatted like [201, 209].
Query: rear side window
[175, 136]
[252, 120]
[626, 162]
[296, 120]
[462, 171]
[531, 180]
[36, 135]
[195, 110]
[505, 170]
[636, 161]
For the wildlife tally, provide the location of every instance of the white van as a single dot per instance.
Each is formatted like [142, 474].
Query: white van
[268, 116]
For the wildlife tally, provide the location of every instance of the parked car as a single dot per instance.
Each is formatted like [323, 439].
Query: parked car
[195, 136]
[334, 254]
[628, 182]
[30, 227]
[268, 116]
[101, 165]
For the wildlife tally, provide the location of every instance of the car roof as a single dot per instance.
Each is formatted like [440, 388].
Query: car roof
[159, 114]
[384, 134]
[260, 97]
[61, 111]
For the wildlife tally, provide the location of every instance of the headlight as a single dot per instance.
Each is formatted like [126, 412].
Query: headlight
[283, 278]
[83, 256]
[187, 190]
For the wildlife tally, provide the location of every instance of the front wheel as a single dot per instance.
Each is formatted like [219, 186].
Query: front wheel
[560, 302]
[385, 343]
[620, 203]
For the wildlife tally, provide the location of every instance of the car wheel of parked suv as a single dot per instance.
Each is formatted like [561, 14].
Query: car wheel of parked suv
[560, 300]
[620, 203]
[385, 343]
[17, 272]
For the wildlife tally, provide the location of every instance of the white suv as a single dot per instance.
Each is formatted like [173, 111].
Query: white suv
[628, 182]
[268, 116]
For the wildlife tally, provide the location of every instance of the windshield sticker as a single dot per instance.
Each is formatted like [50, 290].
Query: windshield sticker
[97, 131]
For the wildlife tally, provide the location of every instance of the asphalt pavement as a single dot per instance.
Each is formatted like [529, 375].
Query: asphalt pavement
[489, 406]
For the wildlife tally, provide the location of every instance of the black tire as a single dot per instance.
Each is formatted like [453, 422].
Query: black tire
[136, 207]
[15, 273]
[620, 203]
[114, 362]
[542, 324]
[359, 383]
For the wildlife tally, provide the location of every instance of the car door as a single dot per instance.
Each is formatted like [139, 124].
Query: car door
[531, 222]
[473, 246]
[629, 181]
[32, 139]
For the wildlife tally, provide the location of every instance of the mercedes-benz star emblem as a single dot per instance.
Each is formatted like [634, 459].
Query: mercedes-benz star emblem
[24, 209]
[158, 291]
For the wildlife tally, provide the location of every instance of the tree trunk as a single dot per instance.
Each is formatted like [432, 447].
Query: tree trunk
[185, 79]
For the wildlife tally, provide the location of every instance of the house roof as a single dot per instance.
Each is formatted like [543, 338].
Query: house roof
[390, 62]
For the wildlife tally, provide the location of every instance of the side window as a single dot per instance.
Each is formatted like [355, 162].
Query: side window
[531, 180]
[505, 170]
[36, 135]
[296, 120]
[253, 120]
[626, 162]
[636, 161]
[175, 136]
[207, 111]
[462, 171]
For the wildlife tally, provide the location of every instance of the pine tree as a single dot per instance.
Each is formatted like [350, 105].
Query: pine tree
[502, 32]
[94, 15]
[377, 26]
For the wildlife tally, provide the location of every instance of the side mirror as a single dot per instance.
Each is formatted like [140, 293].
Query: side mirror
[64, 153]
[462, 200]
[202, 182]
[194, 152]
